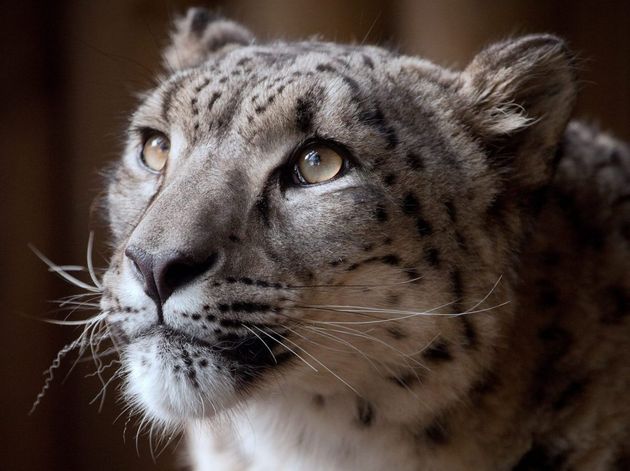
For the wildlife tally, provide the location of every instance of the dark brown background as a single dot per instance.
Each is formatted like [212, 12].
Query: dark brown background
[67, 77]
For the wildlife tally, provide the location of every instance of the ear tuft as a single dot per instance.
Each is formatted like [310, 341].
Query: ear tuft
[520, 95]
[198, 35]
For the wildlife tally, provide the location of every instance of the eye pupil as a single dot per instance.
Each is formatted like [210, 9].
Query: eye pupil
[313, 158]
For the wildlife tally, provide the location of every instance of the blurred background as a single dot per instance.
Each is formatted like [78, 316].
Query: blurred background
[69, 72]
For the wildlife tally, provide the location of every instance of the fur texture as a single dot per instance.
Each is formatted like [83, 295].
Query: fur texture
[455, 300]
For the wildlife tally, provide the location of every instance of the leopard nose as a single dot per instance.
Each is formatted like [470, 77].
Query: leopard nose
[164, 273]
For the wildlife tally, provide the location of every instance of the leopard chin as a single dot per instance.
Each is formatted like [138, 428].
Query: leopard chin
[173, 378]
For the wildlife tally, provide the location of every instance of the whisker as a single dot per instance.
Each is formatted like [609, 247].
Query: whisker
[288, 348]
[357, 286]
[50, 373]
[263, 342]
[320, 363]
[56, 269]
[90, 266]
[408, 314]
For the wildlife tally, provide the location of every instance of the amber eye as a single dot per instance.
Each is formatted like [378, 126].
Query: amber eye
[317, 164]
[155, 152]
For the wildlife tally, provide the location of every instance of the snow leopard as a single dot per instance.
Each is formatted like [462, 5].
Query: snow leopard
[340, 257]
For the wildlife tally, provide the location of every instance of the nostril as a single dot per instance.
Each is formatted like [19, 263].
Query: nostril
[179, 271]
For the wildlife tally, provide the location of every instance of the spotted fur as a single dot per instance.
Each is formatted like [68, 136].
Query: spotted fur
[457, 300]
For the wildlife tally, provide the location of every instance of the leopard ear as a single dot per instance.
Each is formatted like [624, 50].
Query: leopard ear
[520, 94]
[199, 34]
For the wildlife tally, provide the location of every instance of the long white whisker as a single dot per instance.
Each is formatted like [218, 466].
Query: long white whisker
[323, 365]
[90, 266]
[56, 269]
[288, 348]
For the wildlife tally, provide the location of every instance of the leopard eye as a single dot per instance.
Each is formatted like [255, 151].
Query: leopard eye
[155, 152]
[317, 164]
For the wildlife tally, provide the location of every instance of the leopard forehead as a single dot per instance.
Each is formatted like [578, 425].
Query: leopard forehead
[243, 110]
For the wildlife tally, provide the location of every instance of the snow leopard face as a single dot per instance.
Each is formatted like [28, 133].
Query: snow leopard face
[323, 217]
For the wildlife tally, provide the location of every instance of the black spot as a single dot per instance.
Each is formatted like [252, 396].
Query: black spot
[243, 61]
[556, 340]
[249, 307]
[415, 161]
[572, 392]
[376, 119]
[262, 283]
[588, 233]
[230, 279]
[304, 114]
[410, 204]
[458, 289]
[365, 412]
[436, 433]
[223, 307]
[201, 18]
[391, 259]
[432, 256]
[210, 318]
[319, 401]
[556, 344]
[389, 179]
[230, 323]
[353, 84]
[367, 61]
[203, 363]
[616, 305]
[262, 205]
[406, 380]
[215, 96]
[438, 351]
[396, 332]
[325, 68]
[547, 295]
[413, 274]
[423, 227]
[380, 213]
[196, 317]
[470, 333]
[539, 458]
[233, 238]
[487, 383]
[451, 210]
[246, 281]
[550, 258]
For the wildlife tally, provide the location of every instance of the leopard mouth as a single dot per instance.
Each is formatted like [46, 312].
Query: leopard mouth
[245, 356]
[175, 376]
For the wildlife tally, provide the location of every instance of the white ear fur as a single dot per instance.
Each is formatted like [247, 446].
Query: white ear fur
[520, 96]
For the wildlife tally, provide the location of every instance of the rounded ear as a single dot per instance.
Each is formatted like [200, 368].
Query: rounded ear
[520, 94]
[199, 34]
